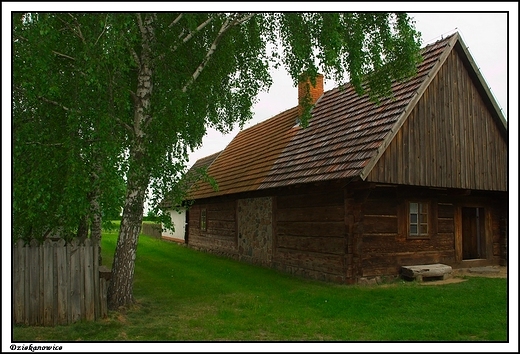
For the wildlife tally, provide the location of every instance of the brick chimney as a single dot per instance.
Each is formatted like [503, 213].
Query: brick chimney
[305, 87]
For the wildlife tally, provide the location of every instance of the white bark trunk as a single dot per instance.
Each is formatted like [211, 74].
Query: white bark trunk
[120, 290]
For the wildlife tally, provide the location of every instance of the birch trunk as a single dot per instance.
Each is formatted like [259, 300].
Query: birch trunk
[96, 225]
[120, 290]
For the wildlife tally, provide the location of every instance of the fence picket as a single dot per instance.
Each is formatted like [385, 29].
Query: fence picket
[57, 283]
[63, 271]
[34, 283]
[89, 280]
[18, 282]
[74, 281]
[95, 276]
[48, 281]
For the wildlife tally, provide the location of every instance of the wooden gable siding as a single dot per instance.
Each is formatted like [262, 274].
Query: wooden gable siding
[449, 140]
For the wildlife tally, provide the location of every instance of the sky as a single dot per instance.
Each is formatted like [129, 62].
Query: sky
[485, 35]
[492, 40]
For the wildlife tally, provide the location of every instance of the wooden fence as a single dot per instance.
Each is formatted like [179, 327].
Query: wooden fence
[56, 283]
[152, 230]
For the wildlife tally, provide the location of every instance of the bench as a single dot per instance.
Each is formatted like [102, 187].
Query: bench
[429, 271]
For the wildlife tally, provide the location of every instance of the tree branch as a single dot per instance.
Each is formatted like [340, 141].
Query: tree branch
[188, 36]
[54, 103]
[177, 19]
[124, 125]
[78, 28]
[63, 55]
[198, 29]
[228, 23]
[132, 51]
[140, 22]
[103, 31]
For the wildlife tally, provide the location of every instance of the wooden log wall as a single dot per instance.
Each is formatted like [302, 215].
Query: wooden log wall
[220, 236]
[311, 234]
[385, 245]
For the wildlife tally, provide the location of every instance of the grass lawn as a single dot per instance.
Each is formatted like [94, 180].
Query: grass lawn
[185, 295]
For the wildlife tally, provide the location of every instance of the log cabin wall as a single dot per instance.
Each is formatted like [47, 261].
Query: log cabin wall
[385, 242]
[311, 234]
[218, 235]
[384, 245]
[299, 230]
[343, 232]
[449, 140]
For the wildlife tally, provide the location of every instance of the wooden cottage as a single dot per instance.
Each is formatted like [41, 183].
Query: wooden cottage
[420, 178]
[179, 213]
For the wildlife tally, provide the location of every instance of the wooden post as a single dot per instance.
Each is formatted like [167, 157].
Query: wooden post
[458, 233]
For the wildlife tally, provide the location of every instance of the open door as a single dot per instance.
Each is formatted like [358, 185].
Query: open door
[473, 233]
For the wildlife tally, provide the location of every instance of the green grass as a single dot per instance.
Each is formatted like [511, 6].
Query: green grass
[185, 295]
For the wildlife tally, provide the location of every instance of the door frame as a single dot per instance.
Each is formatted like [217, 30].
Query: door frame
[488, 241]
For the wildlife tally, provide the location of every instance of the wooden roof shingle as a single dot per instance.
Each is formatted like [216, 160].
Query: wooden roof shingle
[345, 138]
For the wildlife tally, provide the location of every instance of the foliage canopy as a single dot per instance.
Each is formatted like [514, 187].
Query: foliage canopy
[98, 97]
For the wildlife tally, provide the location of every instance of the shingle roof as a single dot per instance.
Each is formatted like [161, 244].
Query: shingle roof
[204, 162]
[346, 136]
[192, 176]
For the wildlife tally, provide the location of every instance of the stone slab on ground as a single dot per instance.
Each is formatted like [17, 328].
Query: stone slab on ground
[429, 271]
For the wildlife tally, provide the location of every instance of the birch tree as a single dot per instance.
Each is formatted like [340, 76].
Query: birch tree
[161, 79]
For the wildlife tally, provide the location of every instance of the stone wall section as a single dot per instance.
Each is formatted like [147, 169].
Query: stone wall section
[255, 230]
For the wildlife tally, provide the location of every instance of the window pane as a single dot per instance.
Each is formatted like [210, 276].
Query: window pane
[424, 229]
[414, 208]
[413, 229]
[413, 218]
[423, 219]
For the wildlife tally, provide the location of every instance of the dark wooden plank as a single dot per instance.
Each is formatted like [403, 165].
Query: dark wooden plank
[75, 281]
[33, 306]
[88, 265]
[380, 224]
[19, 282]
[63, 279]
[328, 263]
[313, 199]
[324, 213]
[48, 281]
[311, 228]
[333, 245]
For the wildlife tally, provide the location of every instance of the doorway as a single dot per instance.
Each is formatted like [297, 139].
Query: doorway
[473, 233]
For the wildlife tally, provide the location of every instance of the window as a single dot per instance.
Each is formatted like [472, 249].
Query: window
[203, 220]
[418, 220]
